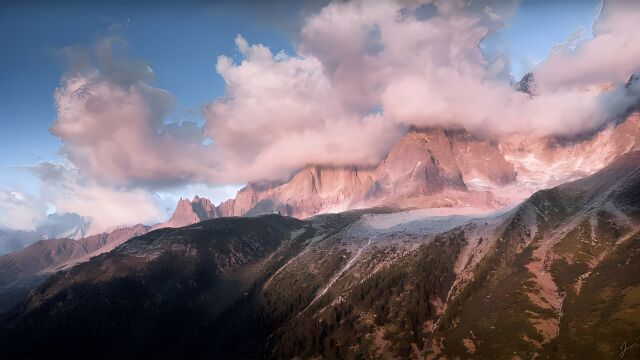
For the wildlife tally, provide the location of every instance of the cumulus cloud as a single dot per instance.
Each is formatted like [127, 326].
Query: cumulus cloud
[112, 124]
[363, 72]
[279, 114]
[282, 112]
[431, 71]
[366, 46]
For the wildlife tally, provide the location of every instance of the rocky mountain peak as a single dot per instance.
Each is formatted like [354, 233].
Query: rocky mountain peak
[428, 167]
[527, 84]
[204, 208]
[633, 80]
[191, 212]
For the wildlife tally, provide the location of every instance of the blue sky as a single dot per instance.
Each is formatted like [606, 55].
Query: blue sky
[537, 26]
[181, 43]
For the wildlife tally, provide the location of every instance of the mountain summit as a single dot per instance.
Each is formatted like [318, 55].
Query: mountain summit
[440, 168]
[447, 169]
[190, 212]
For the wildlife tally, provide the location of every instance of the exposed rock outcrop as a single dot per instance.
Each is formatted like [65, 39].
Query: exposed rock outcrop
[190, 212]
[439, 167]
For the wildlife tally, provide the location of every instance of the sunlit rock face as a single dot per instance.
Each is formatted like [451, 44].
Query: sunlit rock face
[313, 190]
[428, 168]
[543, 163]
[189, 212]
[437, 168]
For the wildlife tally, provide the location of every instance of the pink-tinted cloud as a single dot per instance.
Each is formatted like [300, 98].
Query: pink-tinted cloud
[363, 73]
[281, 113]
[112, 125]
[431, 72]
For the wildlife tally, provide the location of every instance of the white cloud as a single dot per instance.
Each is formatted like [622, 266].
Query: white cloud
[281, 113]
[431, 72]
[363, 73]
[113, 131]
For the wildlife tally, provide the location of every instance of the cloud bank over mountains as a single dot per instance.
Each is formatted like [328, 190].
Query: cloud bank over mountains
[365, 69]
[362, 74]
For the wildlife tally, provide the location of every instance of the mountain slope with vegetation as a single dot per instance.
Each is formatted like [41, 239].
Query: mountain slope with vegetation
[554, 277]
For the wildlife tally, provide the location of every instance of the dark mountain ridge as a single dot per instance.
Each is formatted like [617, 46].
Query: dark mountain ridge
[542, 280]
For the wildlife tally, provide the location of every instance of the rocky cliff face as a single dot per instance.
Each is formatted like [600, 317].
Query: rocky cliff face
[431, 168]
[204, 208]
[191, 212]
[311, 191]
[441, 168]
[436, 168]
[424, 169]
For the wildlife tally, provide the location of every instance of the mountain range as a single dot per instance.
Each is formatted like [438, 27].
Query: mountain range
[542, 279]
[66, 225]
[440, 168]
[455, 245]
